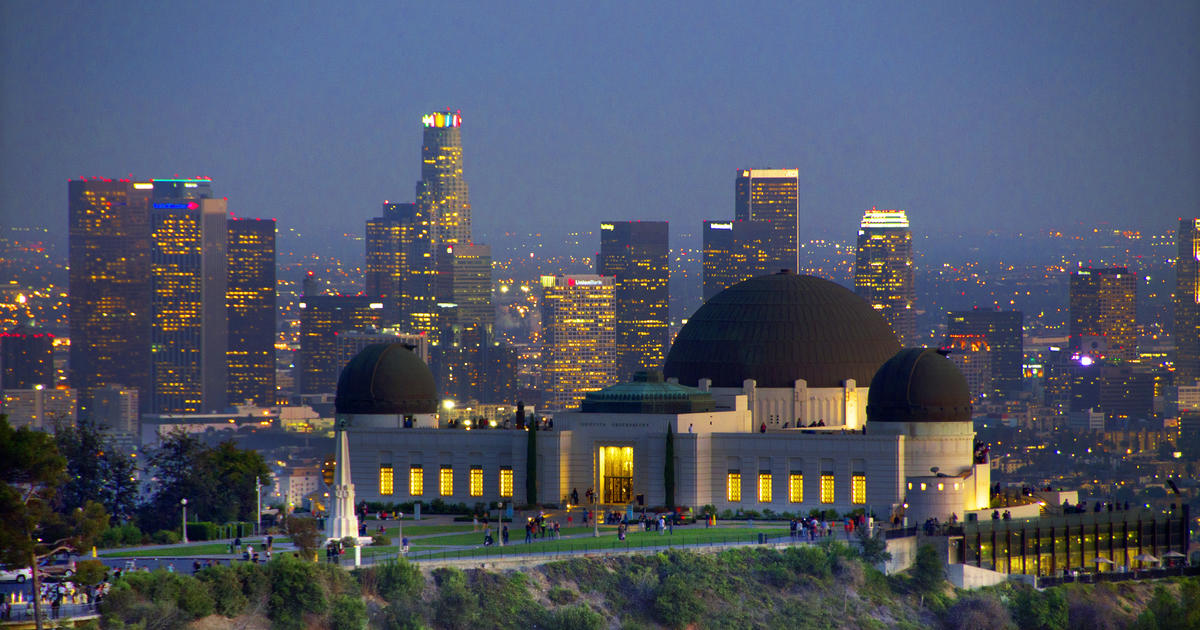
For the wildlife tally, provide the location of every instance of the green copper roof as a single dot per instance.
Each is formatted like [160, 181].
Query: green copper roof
[648, 393]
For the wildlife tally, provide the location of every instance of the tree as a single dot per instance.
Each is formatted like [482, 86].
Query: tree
[31, 531]
[1036, 610]
[929, 570]
[872, 546]
[304, 534]
[531, 465]
[669, 468]
[218, 482]
[95, 471]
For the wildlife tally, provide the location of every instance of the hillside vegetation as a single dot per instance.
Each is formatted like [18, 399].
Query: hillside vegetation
[818, 586]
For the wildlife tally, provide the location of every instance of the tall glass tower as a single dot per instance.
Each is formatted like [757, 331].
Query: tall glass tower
[1187, 303]
[442, 192]
[578, 338]
[636, 254]
[1103, 304]
[250, 296]
[883, 270]
[772, 195]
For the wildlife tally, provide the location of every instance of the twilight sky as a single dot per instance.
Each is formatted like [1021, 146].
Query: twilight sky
[970, 115]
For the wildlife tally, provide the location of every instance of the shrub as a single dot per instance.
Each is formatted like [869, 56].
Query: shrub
[396, 580]
[121, 535]
[379, 540]
[1046, 610]
[579, 617]
[304, 534]
[560, 595]
[977, 612]
[928, 570]
[456, 605]
[677, 604]
[348, 612]
[872, 548]
[295, 591]
[203, 530]
[229, 598]
[165, 537]
[89, 572]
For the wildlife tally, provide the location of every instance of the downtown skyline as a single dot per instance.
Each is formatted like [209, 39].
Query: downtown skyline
[973, 118]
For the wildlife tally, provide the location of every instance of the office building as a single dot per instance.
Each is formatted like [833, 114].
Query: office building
[734, 251]
[322, 319]
[189, 274]
[1187, 304]
[883, 270]
[772, 195]
[464, 285]
[636, 254]
[26, 358]
[578, 338]
[109, 284]
[471, 365]
[1004, 335]
[250, 296]
[115, 409]
[1103, 310]
[39, 407]
[400, 269]
[972, 355]
[442, 194]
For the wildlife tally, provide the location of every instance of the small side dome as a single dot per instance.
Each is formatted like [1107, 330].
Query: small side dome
[386, 379]
[919, 385]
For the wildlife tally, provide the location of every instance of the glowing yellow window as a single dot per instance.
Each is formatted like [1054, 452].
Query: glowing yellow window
[764, 487]
[858, 488]
[446, 481]
[506, 482]
[827, 487]
[416, 481]
[385, 480]
[733, 486]
[476, 481]
[796, 487]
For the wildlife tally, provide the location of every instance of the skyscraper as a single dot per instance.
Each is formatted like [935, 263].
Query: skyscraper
[1187, 303]
[250, 296]
[578, 338]
[322, 318]
[109, 284]
[189, 274]
[734, 251]
[883, 270]
[399, 261]
[772, 195]
[636, 253]
[1103, 304]
[442, 192]
[1004, 336]
[464, 285]
[26, 358]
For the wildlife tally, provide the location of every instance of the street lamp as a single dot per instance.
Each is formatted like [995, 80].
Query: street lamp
[257, 506]
[183, 502]
[500, 530]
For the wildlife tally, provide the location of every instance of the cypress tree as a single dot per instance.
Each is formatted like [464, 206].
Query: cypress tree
[531, 465]
[669, 468]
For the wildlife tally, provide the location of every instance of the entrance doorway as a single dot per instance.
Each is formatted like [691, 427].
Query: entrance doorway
[616, 474]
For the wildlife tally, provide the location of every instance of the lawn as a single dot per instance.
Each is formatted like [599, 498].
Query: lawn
[606, 542]
[183, 551]
[421, 530]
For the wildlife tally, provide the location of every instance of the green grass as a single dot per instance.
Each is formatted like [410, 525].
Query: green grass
[421, 530]
[606, 542]
[183, 551]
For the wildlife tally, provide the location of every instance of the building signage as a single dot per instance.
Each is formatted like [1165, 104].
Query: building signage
[440, 120]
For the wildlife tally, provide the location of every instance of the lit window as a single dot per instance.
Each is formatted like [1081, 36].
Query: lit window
[924, 487]
[733, 486]
[941, 487]
[416, 481]
[858, 488]
[764, 487]
[506, 481]
[910, 485]
[446, 481]
[476, 481]
[796, 487]
[385, 480]
[827, 487]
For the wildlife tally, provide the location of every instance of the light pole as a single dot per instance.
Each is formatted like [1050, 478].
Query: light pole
[500, 530]
[183, 502]
[257, 506]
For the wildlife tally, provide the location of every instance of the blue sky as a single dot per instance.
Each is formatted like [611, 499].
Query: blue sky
[971, 116]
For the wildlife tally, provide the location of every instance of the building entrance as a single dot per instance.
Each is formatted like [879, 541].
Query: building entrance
[616, 474]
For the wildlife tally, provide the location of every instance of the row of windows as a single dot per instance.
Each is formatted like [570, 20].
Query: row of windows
[858, 487]
[416, 481]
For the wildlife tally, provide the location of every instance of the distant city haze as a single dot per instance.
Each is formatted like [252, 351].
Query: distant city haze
[970, 116]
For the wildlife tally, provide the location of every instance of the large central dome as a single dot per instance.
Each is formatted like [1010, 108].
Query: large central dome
[778, 329]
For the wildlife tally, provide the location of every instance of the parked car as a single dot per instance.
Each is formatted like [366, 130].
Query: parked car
[15, 575]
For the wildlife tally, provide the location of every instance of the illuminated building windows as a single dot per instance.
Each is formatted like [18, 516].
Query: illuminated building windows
[506, 481]
[827, 495]
[446, 481]
[476, 481]
[796, 487]
[733, 486]
[385, 480]
[764, 487]
[416, 481]
[858, 488]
